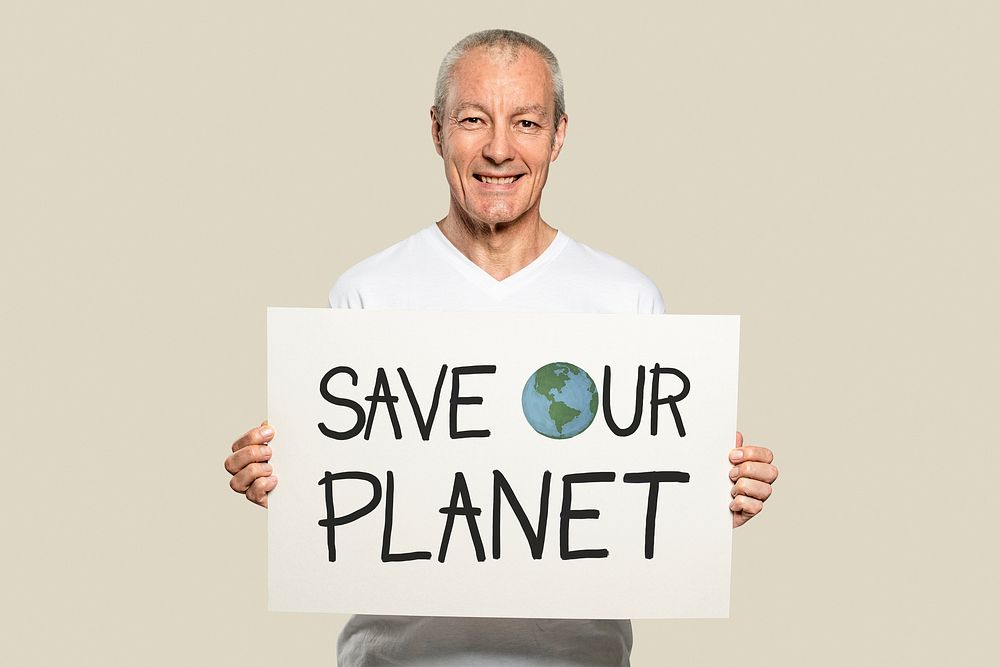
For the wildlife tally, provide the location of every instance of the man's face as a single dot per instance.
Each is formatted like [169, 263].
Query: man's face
[498, 124]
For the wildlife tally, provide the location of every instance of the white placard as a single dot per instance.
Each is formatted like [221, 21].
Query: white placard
[604, 552]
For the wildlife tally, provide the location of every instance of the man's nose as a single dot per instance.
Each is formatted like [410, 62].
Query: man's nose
[499, 148]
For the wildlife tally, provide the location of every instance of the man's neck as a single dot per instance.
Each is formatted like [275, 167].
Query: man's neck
[499, 250]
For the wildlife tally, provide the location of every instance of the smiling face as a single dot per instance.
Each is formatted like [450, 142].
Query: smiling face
[497, 135]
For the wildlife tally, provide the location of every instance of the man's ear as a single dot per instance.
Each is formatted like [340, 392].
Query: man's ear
[436, 130]
[560, 137]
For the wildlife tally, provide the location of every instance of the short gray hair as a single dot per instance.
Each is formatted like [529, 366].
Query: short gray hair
[499, 38]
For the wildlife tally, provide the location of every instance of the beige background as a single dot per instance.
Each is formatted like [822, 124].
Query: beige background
[828, 171]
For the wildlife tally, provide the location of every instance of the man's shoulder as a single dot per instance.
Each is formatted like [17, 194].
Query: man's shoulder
[389, 266]
[607, 271]
[606, 265]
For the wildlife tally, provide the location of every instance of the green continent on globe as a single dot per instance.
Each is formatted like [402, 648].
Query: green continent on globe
[549, 380]
[553, 377]
[561, 413]
[559, 400]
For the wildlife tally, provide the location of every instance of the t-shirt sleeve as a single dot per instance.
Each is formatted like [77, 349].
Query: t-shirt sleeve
[344, 294]
[650, 299]
[658, 307]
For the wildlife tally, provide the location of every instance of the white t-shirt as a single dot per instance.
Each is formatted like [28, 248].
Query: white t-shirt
[425, 271]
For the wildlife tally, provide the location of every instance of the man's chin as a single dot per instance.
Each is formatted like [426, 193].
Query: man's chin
[491, 219]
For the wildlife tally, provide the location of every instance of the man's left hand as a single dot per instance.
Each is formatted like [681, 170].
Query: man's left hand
[752, 477]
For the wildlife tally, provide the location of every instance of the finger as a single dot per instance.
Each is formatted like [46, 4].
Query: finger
[763, 472]
[751, 453]
[746, 505]
[752, 488]
[242, 480]
[255, 436]
[739, 439]
[257, 493]
[241, 458]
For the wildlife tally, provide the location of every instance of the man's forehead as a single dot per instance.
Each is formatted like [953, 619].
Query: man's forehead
[482, 73]
[522, 60]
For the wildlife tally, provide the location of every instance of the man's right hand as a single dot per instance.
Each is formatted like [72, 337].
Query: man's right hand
[248, 464]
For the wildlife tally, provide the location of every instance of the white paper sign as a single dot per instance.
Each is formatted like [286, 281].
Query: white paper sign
[473, 464]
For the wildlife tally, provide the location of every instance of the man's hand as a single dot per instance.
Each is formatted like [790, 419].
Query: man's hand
[752, 477]
[249, 467]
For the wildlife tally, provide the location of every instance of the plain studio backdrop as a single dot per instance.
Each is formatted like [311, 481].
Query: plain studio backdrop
[830, 173]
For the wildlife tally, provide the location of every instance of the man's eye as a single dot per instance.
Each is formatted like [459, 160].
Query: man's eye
[472, 121]
[527, 124]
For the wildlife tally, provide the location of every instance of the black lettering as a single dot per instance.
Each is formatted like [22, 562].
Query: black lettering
[336, 400]
[382, 394]
[653, 478]
[425, 427]
[387, 556]
[672, 400]
[332, 520]
[640, 383]
[457, 400]
[569, 513]
[536, 540]
[461, 490]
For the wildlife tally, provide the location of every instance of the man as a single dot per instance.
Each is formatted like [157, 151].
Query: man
[497, 122]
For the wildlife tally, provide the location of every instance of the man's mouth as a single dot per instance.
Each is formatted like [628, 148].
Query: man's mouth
[496, 180]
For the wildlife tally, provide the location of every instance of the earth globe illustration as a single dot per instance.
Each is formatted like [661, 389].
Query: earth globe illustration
[559, 400]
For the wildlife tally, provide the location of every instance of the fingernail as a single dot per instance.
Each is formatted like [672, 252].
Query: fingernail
[734, 472]
[267, 467]
[737, 455]
[266, 432]
[265, 451]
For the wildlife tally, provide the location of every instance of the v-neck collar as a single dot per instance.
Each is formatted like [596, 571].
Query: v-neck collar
[483, 279]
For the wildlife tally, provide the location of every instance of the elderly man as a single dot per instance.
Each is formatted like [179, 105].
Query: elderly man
[498, 121]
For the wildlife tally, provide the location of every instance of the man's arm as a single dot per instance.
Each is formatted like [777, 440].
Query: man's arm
[752, 476]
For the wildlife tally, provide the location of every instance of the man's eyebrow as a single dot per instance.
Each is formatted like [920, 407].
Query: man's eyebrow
[469, 104]
[527, 108]
[532, 108]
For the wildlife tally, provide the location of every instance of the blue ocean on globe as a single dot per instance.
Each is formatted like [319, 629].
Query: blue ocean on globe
[559, 400]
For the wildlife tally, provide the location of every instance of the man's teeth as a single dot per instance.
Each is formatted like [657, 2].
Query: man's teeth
[506, 179]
